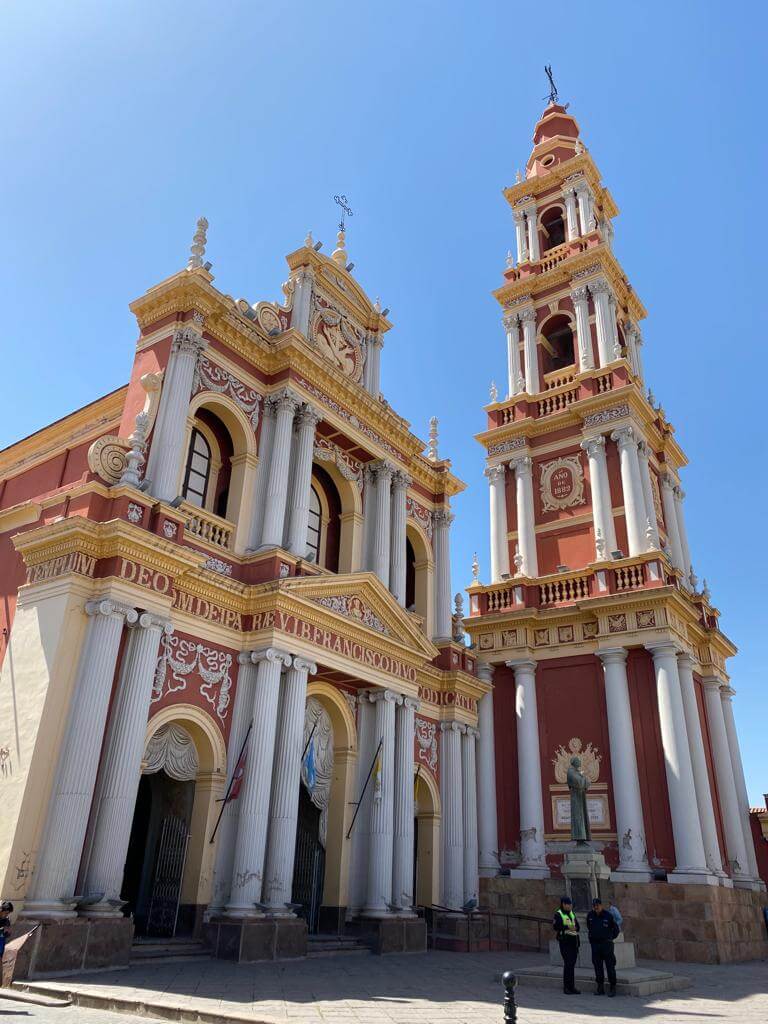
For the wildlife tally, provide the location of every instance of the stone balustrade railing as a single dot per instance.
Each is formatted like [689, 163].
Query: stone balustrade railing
[207, 527]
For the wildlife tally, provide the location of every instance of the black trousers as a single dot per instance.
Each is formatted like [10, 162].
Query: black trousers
[603, 956]
[569, 950]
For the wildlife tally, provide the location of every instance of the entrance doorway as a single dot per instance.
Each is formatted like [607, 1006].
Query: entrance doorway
[157, 851]
[309, 863]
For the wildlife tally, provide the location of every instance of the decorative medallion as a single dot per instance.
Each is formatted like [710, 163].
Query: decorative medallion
[135, 513]
[179, 659]
[565, 634]
[646, 619]
[107, 457]
[487, 641]
[589, 630]
[590, 760]
[170, 529]
[284, 570]
[617, 623]
[336, 337]
[353, 608]
[508, 637]
[209, 377]
[541, 637]
[561, 483]
[426, 742]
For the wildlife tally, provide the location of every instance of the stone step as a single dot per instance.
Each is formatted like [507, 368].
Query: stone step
[332, 945]
[145, 951]
[636, 981]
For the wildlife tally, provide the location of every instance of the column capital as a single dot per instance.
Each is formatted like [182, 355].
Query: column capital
[495, 473]
[522, 465]
[411, 702]
[580, 293]
[643, 449]
[374, 696]
[383, 469]
[401, 481]
[245, 657]
[308, 415]
[442, 517]
[188, 339]
[146, 620]
[286, 399]
[452, 727]
[599, 286]
[685, 658]
[472, 732]
[613, 655]
[272, 655]
[663, 649]
[305, 665]
[527, 315]
[517, 215]
[668, 481]
[593, 445]
[510, 321]
[624, 436]
[711, 682]
[485, 671]
[106, 606]
[521, 664]
[679, 493]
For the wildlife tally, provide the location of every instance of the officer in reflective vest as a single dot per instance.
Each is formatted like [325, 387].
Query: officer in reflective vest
[567, 931]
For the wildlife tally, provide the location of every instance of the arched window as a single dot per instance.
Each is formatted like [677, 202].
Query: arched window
[553, 227]
[198, 470]
[410, 576]
[558, 343]
[314, 526]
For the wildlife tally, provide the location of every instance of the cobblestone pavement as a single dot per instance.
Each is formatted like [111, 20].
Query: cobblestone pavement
[434, 988]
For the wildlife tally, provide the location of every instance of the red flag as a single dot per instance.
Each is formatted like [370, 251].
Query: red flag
[237, 777]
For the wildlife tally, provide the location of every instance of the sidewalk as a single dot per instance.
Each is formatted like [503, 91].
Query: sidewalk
[433, 988]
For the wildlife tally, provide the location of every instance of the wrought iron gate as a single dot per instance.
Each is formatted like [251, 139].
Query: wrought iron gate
[169, 872]
[309, 865]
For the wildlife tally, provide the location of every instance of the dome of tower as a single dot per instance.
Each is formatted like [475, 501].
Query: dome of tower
[555, 140]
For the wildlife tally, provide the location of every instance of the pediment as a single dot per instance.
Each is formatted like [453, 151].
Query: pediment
[362, 599]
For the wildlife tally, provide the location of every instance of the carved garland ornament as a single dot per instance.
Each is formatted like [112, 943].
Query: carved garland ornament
[590, 760]
[562, 483]
[179, 658]
[350, 469]
[209, 377]
[420, 514]
[606, 415]
[353, 608]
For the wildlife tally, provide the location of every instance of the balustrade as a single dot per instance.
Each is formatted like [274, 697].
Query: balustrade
[628, 577]
[558, 402]
[561, 591]
[207, 527]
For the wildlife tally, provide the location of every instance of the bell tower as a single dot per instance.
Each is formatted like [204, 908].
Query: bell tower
[593, 620]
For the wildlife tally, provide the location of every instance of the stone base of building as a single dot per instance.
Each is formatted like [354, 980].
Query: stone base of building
[253, 939]
[460, 933]
[41, 949]
[391, 934]
[665, 921]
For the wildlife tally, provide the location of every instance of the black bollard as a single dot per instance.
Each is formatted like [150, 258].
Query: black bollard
[509, 982]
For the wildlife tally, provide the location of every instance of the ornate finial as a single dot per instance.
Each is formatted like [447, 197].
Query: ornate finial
[705, 592]
[552, 87]
[494, 391]
[600, 548]
[197, 249]
[432, 444]
[518, 560]
[693, 579]
[339, 254]
[134, 460]
[309, 241]
[510, 259]
[580, 147]
[518, 176]
[458, 616]
[475, 569]
[651, 398]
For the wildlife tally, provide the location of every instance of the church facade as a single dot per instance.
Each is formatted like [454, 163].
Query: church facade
[603, 642]
[236, 702]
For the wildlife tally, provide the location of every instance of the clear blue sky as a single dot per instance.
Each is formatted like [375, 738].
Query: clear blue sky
[122, 122]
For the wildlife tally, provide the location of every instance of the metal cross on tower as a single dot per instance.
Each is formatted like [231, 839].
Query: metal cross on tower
[552, 86]
[345, 209]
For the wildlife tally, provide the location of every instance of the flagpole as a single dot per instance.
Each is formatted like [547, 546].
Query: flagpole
[231, 783]
[365, 786]
[306, 745]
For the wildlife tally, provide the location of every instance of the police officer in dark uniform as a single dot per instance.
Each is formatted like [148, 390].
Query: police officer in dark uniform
[567, 931]
[602, 929]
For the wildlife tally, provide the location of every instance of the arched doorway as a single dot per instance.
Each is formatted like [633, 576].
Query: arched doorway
[426, 855]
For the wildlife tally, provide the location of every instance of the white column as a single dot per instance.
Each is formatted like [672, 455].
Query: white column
[634, 502]
[262, 473]
[487, 830]
[499, 543]
[526, 531]
[452, 824]
[361, 832]
[651, 521]
[520, 236]
[602, 506]
[515, 381]
[376, 345]
[670, 521]
[726, 696]
[599, 290]
[120, 770]
[632, 335]
[726, 784]
[679, 494]
[250, 848]
[166, 452]
[298, 513]
[302, 300]
[400, 484]
[614, 325]
[533, 232]
[226, 836]
[469, 812]
[530, 353]
[571, 214]
[279, 465]
[580, 298]
[689, 847]
[441, 545]
[381, 852]
[53, 882]
[382, 524]
[699, 763]
[584, 197]
[533, 862]
[630, 825]
[369, 517]
[286, 783]
[402, 860]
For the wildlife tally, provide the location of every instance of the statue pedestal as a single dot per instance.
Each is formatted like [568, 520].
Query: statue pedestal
[584, 869]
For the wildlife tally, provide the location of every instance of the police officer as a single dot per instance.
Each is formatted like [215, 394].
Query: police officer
[567, 931]
[602, 928]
